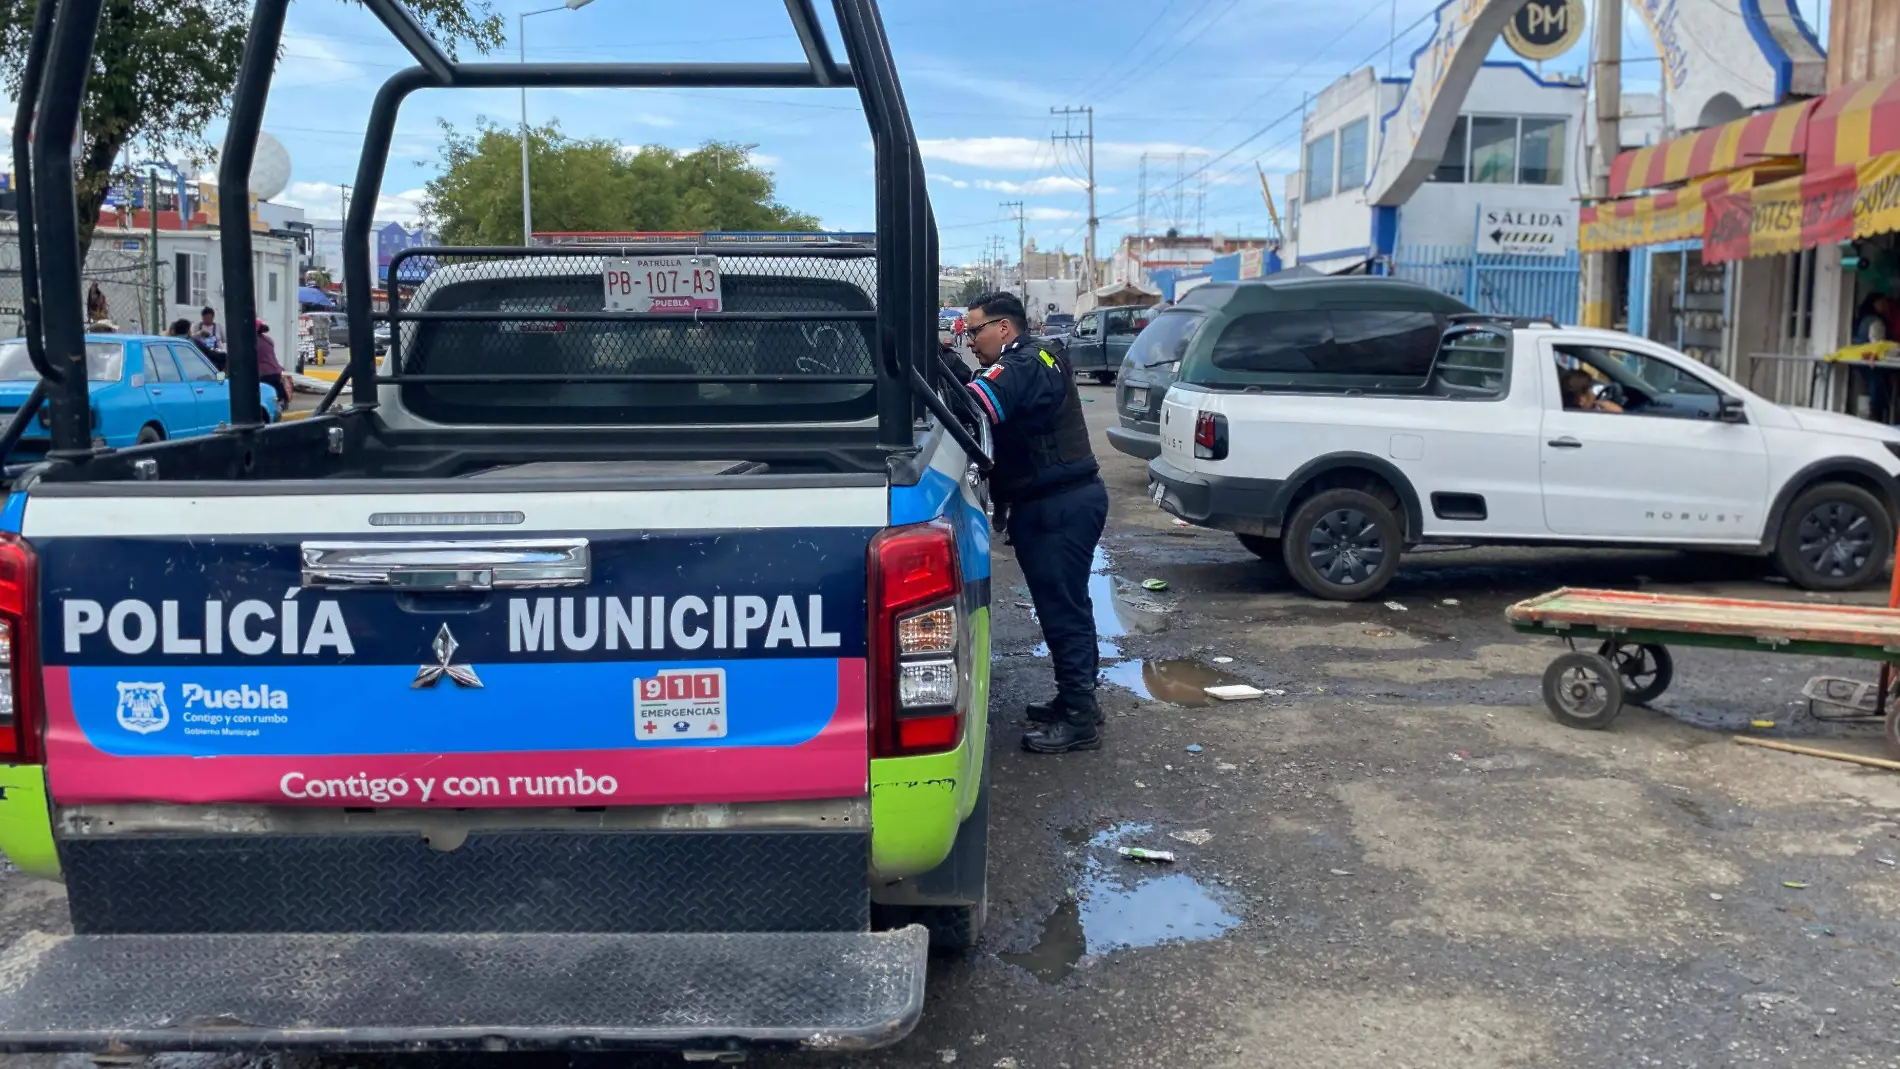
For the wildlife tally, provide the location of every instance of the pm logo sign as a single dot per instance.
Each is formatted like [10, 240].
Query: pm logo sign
[1527, 231]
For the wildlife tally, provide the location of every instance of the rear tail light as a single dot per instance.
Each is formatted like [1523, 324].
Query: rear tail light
[917, 669]
[19, 652]
[1210, 436]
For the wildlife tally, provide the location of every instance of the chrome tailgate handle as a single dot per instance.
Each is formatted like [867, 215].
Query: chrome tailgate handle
[505, 564]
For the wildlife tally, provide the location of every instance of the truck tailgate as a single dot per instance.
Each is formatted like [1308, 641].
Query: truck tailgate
[481, 648]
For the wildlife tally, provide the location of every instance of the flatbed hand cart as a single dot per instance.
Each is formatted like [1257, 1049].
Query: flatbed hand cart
[1631, 664]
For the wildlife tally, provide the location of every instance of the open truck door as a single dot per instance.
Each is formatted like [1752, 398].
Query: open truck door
[610, 671]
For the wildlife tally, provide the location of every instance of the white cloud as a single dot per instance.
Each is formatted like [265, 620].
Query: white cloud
[1048, 214]
[311, 61]
[953, 183]
[764, 159]
[1029, 154]
[324, 200]
[1043, 186]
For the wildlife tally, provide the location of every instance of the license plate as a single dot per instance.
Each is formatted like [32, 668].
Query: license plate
[1138, 400]
[681, 703]
[662, 284]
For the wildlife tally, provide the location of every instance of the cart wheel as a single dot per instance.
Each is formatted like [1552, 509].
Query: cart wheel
[1645, 669]
[1583, 691]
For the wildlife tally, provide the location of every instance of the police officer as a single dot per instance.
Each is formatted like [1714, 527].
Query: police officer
[1050, 498]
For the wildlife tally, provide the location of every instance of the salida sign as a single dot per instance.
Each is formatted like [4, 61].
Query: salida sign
[1527, 231]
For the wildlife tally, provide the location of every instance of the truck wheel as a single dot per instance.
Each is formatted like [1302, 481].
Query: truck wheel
[1835, 536]
[1104, 378]
[954, 929]
[1265, 548]
[1342, 545]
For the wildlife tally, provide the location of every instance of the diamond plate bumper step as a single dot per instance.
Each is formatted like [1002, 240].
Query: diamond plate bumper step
[138, 993]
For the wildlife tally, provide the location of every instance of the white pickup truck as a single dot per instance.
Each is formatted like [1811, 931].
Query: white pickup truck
[1336, 452]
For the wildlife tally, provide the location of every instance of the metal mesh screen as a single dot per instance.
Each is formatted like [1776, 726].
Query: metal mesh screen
[794, 340]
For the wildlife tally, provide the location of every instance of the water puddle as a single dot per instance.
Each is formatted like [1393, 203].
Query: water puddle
[1120, 905]
[1178, 682]
[1121, 609]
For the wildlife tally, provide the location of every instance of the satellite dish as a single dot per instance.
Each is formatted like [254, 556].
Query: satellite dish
[270, 168]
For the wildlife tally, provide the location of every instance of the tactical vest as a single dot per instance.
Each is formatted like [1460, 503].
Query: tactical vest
[1039, 458]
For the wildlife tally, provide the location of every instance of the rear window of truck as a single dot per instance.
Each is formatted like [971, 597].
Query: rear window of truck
[719, 371]
[1327, 348]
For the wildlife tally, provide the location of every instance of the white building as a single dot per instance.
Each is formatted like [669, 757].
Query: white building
[1510, 169]
[187, 275]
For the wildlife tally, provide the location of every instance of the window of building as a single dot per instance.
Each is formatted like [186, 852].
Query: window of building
[1293, 218]
[1541, 152]
[188, 279]
[1352, 155]
[1504, 150]
[1493, 150]
[1451, 166]
[272, 298]
[1319, 168]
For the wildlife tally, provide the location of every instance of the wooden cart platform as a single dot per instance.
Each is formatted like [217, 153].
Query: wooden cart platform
[1633, 666]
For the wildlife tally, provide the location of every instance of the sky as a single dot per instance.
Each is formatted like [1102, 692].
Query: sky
[1204, 88]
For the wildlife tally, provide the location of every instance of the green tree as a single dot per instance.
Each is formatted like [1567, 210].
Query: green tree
[163, 69]
[972, 289]
[596, 184]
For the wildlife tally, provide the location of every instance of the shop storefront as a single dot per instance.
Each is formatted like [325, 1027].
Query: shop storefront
[1773, 244]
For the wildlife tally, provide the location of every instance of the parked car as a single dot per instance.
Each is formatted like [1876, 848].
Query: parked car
[144, 389]
[1100, 340]
[1058, 325]
[1152, 363]
[1334, 438]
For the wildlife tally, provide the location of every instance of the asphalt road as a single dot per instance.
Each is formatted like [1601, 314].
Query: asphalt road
[1397, 858]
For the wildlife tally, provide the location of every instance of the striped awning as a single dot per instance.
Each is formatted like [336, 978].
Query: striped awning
[1825, 207]
[1853, 123]
[1743, 143]
[1674, 215]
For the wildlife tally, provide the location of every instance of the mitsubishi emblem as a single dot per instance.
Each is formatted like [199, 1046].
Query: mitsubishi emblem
[445, 646]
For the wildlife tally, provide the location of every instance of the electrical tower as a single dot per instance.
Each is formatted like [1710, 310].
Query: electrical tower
[1067, 134]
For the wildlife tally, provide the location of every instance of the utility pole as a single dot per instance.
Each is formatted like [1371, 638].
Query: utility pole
[1088, 254]
[1599, 275]
[1022, 257]
[151, 214]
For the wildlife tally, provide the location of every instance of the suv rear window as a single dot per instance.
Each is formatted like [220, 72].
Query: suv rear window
[1329, 347]
[699, 352]
[1165, 340]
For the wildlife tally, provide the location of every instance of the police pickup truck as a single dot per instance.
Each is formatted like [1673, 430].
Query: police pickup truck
[610, 671]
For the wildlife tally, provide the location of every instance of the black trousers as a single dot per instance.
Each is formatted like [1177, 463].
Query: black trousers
[1055, 541]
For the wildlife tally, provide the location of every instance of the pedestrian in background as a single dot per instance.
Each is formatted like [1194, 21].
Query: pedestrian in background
[269, 370]
[208, 330]
[1050, 499]
[181, 328]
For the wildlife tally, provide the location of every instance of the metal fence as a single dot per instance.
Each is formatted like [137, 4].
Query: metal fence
[1489, 282]
[119, 265]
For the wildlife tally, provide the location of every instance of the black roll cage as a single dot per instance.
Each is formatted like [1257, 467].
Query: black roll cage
[53, 87]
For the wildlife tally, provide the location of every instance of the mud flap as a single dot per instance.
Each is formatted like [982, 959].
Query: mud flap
[142, 993]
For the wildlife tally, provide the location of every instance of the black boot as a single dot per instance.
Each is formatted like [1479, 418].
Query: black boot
[1043, 712]
[1063, 736]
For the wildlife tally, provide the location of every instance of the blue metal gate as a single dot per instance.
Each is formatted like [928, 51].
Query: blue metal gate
[1541, 286]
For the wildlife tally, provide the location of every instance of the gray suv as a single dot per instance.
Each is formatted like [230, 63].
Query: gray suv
[1147, 371]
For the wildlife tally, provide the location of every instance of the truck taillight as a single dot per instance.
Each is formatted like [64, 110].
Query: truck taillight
[1210, 436]
[916, 671]
[19, 652]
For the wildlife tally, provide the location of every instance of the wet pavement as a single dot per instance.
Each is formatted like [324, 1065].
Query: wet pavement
[1395, 856]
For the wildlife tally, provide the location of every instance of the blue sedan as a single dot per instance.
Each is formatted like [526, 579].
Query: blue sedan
[144, 389]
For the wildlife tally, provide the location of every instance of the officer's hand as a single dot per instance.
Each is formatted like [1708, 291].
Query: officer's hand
[999, 517]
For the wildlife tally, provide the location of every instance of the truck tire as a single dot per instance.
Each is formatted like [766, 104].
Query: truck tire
[1267, 549]
[1342, 545]
[1835, 536]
